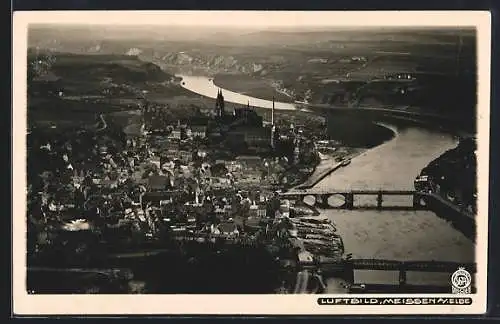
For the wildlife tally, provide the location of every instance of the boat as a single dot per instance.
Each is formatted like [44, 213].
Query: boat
[346, 162]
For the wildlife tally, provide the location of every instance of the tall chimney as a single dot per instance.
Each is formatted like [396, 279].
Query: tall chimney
[272, 113]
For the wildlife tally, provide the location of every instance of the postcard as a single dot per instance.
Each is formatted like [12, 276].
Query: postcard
[212, 162]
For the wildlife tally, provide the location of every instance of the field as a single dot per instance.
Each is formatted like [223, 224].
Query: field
[380, 78]
[96, 84]
[364, 70]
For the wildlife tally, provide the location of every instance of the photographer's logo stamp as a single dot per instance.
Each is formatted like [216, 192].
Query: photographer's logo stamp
[461, 281]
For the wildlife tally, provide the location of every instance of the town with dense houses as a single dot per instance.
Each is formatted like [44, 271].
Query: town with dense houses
[215, 177]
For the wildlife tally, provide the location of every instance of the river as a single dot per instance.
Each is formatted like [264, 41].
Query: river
[392, 165]
[205, 87]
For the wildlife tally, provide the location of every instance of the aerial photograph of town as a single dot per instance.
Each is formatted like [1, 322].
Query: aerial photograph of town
[167, 159]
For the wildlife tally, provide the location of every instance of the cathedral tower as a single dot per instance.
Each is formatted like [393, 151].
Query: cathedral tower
[272, 114]
[274, 131]
[219, 104]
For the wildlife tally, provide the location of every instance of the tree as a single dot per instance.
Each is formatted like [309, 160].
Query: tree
[245, 209]
[218, 170]
[272, 206]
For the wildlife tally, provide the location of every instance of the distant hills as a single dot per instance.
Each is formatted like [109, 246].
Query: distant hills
[74, 88]
[43, 35]
[119, 68]
[93, 59]
[94, 70]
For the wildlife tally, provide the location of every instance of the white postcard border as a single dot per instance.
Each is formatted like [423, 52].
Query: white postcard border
[24, 304]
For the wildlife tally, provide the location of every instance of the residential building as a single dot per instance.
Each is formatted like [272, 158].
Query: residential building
[173, 144]
[228, 230]
[261, 211]
[185, 156]
[199, 131]
[156, 161]
[103, 149]
[233, 166]
[108, 183]
[252, 136]
[158, 183]
[176, 134]
[250, 162]
[221, 162]
[220, 213]
[189, 132]
[228, 210]
[172, 154]
[254, 211]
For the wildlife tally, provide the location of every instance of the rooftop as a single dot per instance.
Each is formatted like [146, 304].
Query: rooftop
[227, 227]
[49, 77]
[248, 157]
[198, 128]
[158, 182]
[133, 130]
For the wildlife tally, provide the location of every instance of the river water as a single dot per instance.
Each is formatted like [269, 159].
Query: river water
[205, 87]
[393, 165]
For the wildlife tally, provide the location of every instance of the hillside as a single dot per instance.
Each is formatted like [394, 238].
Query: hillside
[455, 172]
[66, 87]
[95, 74]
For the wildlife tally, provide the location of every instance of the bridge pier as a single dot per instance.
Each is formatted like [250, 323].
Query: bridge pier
[348, 274]
[322, 202]
[379, 200]
[349, 200]
[416, 201]
[402, 275]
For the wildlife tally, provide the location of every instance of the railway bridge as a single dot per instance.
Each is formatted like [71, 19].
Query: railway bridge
[390, 113]
[347, 271]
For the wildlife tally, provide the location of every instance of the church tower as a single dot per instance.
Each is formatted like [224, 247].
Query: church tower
[219, 104]
[274, 131]
[272, 113]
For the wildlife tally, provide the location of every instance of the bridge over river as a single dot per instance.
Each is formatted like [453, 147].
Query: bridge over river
[403, 235]
[388, 200]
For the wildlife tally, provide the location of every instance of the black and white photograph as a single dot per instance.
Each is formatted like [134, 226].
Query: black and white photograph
[202, 158]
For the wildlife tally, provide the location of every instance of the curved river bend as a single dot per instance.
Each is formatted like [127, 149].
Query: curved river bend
[203, 86]
[392, 165]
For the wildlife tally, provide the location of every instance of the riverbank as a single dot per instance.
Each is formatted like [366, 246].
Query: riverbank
[327, 165]
[252, 86]
[376, 134]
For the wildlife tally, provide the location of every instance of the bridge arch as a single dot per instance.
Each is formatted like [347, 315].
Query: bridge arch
[337, 200]
[310, 200]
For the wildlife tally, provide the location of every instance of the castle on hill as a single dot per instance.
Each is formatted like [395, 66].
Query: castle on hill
[241, 116]
[244, 125]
